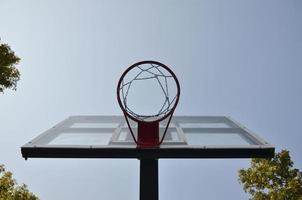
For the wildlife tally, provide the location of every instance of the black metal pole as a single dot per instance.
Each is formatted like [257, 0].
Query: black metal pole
[148, 179]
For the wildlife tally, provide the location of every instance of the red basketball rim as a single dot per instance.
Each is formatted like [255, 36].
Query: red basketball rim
[141, 63]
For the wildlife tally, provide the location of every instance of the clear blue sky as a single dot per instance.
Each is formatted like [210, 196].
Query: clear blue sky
[236, 58]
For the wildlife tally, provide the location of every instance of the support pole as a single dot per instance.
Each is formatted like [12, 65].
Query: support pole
[148, 179]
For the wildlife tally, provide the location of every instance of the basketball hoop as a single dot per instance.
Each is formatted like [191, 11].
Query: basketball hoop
[160, 76]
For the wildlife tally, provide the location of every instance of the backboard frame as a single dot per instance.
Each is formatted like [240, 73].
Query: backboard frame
[39, 147]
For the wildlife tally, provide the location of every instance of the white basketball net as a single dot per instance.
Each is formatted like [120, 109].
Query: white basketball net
[146, 72]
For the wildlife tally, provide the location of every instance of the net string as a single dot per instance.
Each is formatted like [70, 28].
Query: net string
[166, 107]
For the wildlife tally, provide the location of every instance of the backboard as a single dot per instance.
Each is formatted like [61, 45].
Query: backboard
[109, 137]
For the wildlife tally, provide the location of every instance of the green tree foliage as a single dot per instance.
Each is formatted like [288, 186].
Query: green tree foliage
[9, 190]
[272, 179]
[9, 74]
